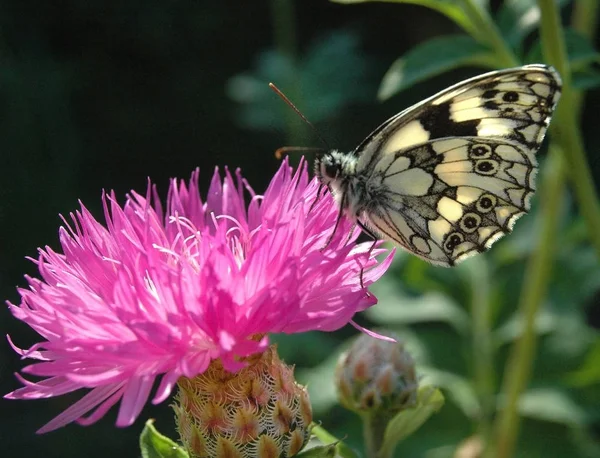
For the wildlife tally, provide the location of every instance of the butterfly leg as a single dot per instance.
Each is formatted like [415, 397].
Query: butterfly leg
[366, 230]
[337, 223]
[317, 197]
[362, 284]
[350, 234]
[370, 233]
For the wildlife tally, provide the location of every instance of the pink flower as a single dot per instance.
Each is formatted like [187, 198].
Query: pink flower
[163, 293]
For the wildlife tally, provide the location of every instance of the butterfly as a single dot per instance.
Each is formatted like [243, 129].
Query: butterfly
[447, 177]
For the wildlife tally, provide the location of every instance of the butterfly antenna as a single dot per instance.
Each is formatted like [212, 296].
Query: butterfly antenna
[299, 113]
[279, 152]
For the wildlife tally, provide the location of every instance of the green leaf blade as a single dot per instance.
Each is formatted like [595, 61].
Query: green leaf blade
[580, 50]
[330, 442]
[553, 405]
[452, 9]
[155, 445]
[516, 19]
[432, 58]
[429, 401]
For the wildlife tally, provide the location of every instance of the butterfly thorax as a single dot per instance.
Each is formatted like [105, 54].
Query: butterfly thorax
[353, 191]
[335, 165]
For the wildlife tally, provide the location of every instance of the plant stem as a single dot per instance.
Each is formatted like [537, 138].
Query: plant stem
[567, 134]
[489, 34]
[535, 284]
[373, 431]
[483, 354]
[553, 40]
[585, 17]
[584, 21]
[565, 129]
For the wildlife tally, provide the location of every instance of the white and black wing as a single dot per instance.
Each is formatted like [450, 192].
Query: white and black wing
[453, 173]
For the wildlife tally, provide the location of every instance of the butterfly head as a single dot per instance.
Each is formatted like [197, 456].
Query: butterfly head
[334, 166]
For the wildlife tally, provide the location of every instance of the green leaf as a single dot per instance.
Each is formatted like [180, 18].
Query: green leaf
[320, 451]
[452, 9]
[395, 307]
[332, 71]
[552, 405]
[516, 18]
[580, 50]
[155, 445]
[432, 58]
[545, 323]
[329, 440]
[458, 389]
[587, 79]
[429, 401]
[589, 372]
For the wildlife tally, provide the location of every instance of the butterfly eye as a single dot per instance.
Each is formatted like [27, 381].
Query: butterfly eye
[331, 169]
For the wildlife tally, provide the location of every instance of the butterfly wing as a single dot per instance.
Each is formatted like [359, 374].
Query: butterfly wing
[450, 198]
[453, 173]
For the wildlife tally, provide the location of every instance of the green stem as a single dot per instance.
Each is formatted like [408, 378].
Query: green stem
[535, 285]
[488, 33]
[584, 21]
[567, 134]
[565, 128]
[374, 430]
[553, 40]
[585, 17]
[483, 354]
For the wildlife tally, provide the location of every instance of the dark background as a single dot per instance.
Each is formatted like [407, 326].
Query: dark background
[104, 94]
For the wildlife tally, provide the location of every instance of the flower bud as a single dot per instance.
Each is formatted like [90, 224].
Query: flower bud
[376, 376]
[258, 411]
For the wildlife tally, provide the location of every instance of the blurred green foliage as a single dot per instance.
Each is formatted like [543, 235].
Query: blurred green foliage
[460, 324]
[99, 94]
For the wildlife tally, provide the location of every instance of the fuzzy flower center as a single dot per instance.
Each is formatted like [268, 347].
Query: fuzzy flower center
[187, 245]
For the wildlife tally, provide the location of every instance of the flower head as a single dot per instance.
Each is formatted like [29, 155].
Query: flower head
[158, 294]
[259, 411]
[377, 377]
